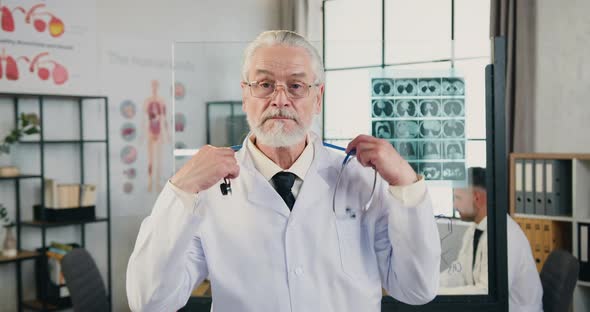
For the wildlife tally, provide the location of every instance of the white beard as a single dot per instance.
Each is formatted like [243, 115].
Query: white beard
[277, 136]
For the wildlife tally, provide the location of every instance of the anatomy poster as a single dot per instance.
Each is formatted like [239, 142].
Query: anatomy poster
[48, 46]
[137, 77]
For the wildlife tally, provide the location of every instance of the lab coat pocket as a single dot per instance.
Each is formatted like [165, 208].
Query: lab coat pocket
[350, 241]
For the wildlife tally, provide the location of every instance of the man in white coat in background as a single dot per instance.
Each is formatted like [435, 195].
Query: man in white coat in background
[468, 275]
[275, 243]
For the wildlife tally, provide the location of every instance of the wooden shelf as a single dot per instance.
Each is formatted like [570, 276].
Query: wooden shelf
[566, 156]
[21, 176]
[37, 305]
[203, 290]
[56, 95]
[543, 217]
[41, 224]
[21, 255]
[63, 141]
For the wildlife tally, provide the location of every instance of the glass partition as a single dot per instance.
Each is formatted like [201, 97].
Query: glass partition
[425, 92]
[429, 103]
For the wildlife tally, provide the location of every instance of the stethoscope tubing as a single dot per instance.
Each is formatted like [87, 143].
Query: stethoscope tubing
[347, 159]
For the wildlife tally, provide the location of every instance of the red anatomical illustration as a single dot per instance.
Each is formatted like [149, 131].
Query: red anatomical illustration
[44, 68]
[31, 12]
[56, 25]
[39, 25]
[8, 66]
[41, 20]
[11, 68]
[7, 20]
[60, 73]
[43, 73]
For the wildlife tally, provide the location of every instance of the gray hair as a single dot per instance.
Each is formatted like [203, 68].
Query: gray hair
[285, 38]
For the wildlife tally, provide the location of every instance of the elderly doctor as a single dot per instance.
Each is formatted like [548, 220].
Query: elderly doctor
[275, 243]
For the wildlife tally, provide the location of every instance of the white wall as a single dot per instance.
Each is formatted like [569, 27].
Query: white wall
[163, 21]
[562, 117]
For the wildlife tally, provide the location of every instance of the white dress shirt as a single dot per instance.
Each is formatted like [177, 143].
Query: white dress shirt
[259, 256]
[465, 278]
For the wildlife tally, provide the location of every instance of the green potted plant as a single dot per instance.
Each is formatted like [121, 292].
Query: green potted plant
[9, 246]
[27, 124]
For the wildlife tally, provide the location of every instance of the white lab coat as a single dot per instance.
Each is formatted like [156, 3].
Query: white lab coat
[524, 284]
[259, 256]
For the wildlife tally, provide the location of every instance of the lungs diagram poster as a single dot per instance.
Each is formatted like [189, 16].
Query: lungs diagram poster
[48, 46]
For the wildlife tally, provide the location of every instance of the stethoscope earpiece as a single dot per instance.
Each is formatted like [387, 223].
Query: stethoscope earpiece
[225, 187]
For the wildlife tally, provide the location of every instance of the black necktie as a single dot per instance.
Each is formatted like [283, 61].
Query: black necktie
[283, 183]
[476, 237]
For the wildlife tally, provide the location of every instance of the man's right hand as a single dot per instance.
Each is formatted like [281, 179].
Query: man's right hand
[206, 168]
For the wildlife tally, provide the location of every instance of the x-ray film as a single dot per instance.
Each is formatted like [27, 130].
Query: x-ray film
[454, 150]
[406, 108]
[407, 149]
[453, 128]
[406, 129]
[453, 86]
[405, 87]
[382, 108]
[430, 108]
[429, 86]
[430, 129]
[383, 129]
[382, 87]
[430, 150]
[424, 119]
[453, 171]
[454, 108]
[430, 170]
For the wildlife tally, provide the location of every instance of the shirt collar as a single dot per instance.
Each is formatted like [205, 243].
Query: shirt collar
[268, 168]
[483, 224]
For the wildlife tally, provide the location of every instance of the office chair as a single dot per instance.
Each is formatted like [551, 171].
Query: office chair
[559, 276]
[84, 282]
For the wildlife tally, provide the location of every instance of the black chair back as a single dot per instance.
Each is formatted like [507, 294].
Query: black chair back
[84, 282]
[559, 276]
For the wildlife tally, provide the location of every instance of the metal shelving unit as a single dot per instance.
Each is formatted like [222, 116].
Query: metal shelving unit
[22, 255]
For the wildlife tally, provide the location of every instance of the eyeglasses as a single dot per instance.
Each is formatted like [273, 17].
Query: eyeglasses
[266, 89]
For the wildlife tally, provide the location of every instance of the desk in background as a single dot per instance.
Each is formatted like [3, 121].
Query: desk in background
[200, 300]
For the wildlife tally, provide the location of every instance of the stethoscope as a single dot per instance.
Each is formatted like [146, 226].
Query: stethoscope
[226, 185]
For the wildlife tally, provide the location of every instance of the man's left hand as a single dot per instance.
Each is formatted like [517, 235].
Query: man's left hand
[380, 154]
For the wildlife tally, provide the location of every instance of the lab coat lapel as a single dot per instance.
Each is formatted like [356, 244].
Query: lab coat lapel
[316, 184]
[258, 191]
[481, 250]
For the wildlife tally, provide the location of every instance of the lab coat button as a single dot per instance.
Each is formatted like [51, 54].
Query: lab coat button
[298, 271]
